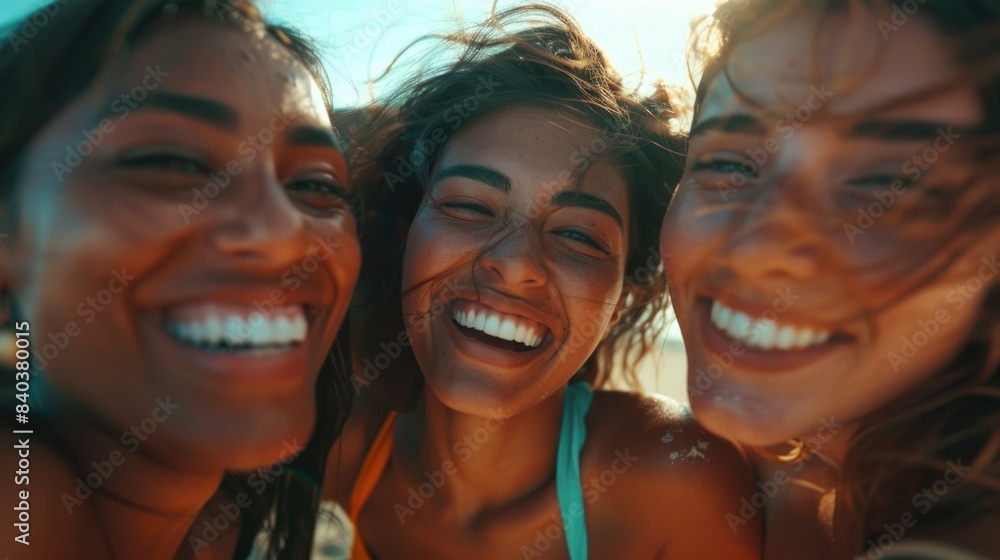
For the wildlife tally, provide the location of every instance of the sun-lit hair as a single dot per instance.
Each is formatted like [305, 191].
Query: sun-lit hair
[538, 56]
[954, 415]
[48, 72]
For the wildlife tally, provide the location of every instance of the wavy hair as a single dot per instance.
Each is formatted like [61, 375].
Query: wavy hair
[540, 57]
[953, 416]
[51, 70]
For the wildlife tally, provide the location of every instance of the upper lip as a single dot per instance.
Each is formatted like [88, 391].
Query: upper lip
[508, 304]
[311, 300]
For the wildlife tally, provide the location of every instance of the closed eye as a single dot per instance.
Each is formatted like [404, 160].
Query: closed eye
[321, 194]
[471, 207]
[166, 161]
[880, 180]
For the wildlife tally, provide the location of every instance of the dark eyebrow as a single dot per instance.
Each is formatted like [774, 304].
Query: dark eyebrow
[480, 173]
[728, 123]
[900, 130]
[212, 112]
[588, 201]
[311, 136]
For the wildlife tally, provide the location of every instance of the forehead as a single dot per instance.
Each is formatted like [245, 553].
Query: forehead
[205, 58]
[535, 146]
[848, 58]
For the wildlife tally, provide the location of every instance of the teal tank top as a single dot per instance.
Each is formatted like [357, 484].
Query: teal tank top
[569, 488]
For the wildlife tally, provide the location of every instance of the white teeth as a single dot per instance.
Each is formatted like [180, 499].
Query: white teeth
[519, 333]
[211, 325]
[213, 330]
[282, 331]
[499, 325]
[492, 326]
[786, 337]
[507, 330]
[766, 334]
[739, 325]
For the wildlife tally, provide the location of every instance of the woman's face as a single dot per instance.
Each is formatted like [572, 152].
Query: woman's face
[513, 273]
[782, 229]
[182, 250]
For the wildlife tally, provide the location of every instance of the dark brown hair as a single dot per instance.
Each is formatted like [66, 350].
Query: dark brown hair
[45, 74]
[953, 416]
[535, 55]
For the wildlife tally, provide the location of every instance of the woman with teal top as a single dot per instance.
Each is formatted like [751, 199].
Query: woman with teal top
[533, 186]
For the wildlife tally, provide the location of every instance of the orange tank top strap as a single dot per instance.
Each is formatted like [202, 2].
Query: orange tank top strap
[368, 477]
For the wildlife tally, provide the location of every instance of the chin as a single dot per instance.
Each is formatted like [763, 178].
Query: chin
[748, 425]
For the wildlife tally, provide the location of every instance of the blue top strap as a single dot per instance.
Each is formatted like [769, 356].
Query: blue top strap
[569, 489]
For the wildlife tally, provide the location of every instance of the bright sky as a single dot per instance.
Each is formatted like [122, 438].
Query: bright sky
[359, 38]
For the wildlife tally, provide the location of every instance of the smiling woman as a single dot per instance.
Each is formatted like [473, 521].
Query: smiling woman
[183, 246]
[531, 186]
[834, 242]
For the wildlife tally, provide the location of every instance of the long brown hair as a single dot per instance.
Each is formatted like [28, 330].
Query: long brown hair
[70, 43]
[953, 417]
[539, 56]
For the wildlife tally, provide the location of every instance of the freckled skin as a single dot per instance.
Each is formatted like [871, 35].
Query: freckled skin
[498, 427]
[768, 235]
[108, 215]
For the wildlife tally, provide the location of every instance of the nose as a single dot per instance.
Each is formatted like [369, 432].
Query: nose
[260, 224]
[776, 236]
[515, 260]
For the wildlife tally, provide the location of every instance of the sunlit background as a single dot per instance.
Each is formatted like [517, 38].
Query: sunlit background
[644, 39]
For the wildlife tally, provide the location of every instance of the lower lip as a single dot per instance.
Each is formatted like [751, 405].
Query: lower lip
[271, 371]
[756, 360]
[492, 355]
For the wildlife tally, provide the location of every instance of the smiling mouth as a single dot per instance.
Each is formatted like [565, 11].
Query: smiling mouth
[767, 334]
[502, 330]
[226, 328]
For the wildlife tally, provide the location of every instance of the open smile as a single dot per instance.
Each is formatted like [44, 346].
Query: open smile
[768, 345]
[504, 330]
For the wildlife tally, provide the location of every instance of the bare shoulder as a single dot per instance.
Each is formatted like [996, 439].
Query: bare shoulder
[52, 516]
[682, 481]
[666, 433]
